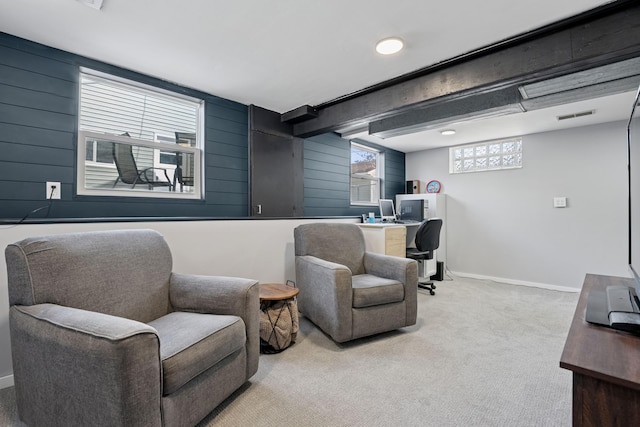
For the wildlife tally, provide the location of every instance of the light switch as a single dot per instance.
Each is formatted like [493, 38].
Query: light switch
[559, 202]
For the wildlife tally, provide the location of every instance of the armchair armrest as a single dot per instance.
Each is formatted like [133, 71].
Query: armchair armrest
[76, 342]
[404, 270]
[222, 295]
[326, 296]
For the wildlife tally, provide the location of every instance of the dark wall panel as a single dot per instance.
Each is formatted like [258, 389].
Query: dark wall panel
[394, 173]
[38, 131]
[326, 176]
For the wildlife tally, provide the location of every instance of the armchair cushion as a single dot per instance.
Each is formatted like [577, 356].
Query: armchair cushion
[369, 290]
[190, 343]
[339, 243]
[222, 295]
[98, 274]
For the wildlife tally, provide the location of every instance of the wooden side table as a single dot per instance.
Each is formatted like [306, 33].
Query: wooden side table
[279, 317]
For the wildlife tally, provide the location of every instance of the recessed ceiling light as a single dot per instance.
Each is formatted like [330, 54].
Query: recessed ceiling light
[389, 46]
[448, 132]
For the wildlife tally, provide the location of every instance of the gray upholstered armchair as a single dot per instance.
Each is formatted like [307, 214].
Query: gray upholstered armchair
[347, 292]
[103, 333]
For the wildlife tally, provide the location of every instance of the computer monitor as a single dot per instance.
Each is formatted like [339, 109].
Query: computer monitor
[387, 210]
[412, 210]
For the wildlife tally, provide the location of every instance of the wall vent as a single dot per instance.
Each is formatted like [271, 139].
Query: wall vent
[576, 115]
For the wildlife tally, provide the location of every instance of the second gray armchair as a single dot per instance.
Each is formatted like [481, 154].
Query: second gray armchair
[347, 292]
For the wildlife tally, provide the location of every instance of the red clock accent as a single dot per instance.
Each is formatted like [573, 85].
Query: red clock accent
[433, 186]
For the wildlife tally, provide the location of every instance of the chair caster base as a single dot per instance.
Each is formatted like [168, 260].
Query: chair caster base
[428, 286]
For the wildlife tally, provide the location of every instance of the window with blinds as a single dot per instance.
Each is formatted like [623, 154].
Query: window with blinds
[137, 140]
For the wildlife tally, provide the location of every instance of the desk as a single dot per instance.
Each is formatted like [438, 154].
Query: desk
[605, 365]
[393, 239]
[385, 238]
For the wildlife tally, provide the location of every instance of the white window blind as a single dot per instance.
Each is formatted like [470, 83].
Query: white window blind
[114, 107]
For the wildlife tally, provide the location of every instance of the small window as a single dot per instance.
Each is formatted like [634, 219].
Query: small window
[136, 140]
[366, 175]
[99, 152]
[486, 156]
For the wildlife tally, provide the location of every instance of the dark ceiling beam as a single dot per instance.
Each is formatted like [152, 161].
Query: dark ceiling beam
[593, 39]
[497, 102]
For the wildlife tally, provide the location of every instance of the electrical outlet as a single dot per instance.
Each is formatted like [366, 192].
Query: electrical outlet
[559, 202]
[53, 190]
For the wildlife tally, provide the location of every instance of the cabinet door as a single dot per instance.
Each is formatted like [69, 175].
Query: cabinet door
[276, 175]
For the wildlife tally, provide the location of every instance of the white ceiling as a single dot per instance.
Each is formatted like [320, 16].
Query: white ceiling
[281, 54]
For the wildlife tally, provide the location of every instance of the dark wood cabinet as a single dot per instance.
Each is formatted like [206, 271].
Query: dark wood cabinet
[276, 166]
[605, 365]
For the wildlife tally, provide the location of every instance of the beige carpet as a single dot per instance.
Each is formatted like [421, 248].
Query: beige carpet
[482, 354]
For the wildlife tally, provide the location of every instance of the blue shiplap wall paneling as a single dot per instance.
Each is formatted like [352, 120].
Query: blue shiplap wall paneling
[327, 160]
[38, 127]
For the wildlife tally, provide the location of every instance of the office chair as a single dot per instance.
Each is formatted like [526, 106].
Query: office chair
[427, 241]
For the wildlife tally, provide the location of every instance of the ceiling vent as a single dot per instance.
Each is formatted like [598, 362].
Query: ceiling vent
[576, 115]
[610, 79]
[581, 79]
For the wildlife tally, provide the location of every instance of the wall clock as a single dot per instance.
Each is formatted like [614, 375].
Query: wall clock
[433, 186]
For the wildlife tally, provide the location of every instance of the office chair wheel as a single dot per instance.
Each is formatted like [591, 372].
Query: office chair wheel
[427, 286]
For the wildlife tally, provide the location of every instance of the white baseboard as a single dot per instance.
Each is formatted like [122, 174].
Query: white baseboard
[6, 382]
[517, 282]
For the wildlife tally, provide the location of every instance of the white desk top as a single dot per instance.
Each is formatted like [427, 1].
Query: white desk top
[388, 224]
[380, 224]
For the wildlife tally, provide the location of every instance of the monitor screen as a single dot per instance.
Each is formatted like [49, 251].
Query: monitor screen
[412, 210]
[387, 210]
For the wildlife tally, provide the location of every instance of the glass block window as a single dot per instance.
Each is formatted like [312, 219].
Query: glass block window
[486, 156]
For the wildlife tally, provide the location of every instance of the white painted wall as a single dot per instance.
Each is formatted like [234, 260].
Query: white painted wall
[502, 224]
[256, 249]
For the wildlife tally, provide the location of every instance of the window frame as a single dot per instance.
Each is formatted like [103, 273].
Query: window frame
[84, 134]
[94, 161]
[379, 178]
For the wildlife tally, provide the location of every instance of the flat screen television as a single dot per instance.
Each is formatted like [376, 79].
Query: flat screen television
[387, 210]
[618, 307]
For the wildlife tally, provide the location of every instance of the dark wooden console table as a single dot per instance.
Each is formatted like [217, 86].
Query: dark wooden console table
[605, 365]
